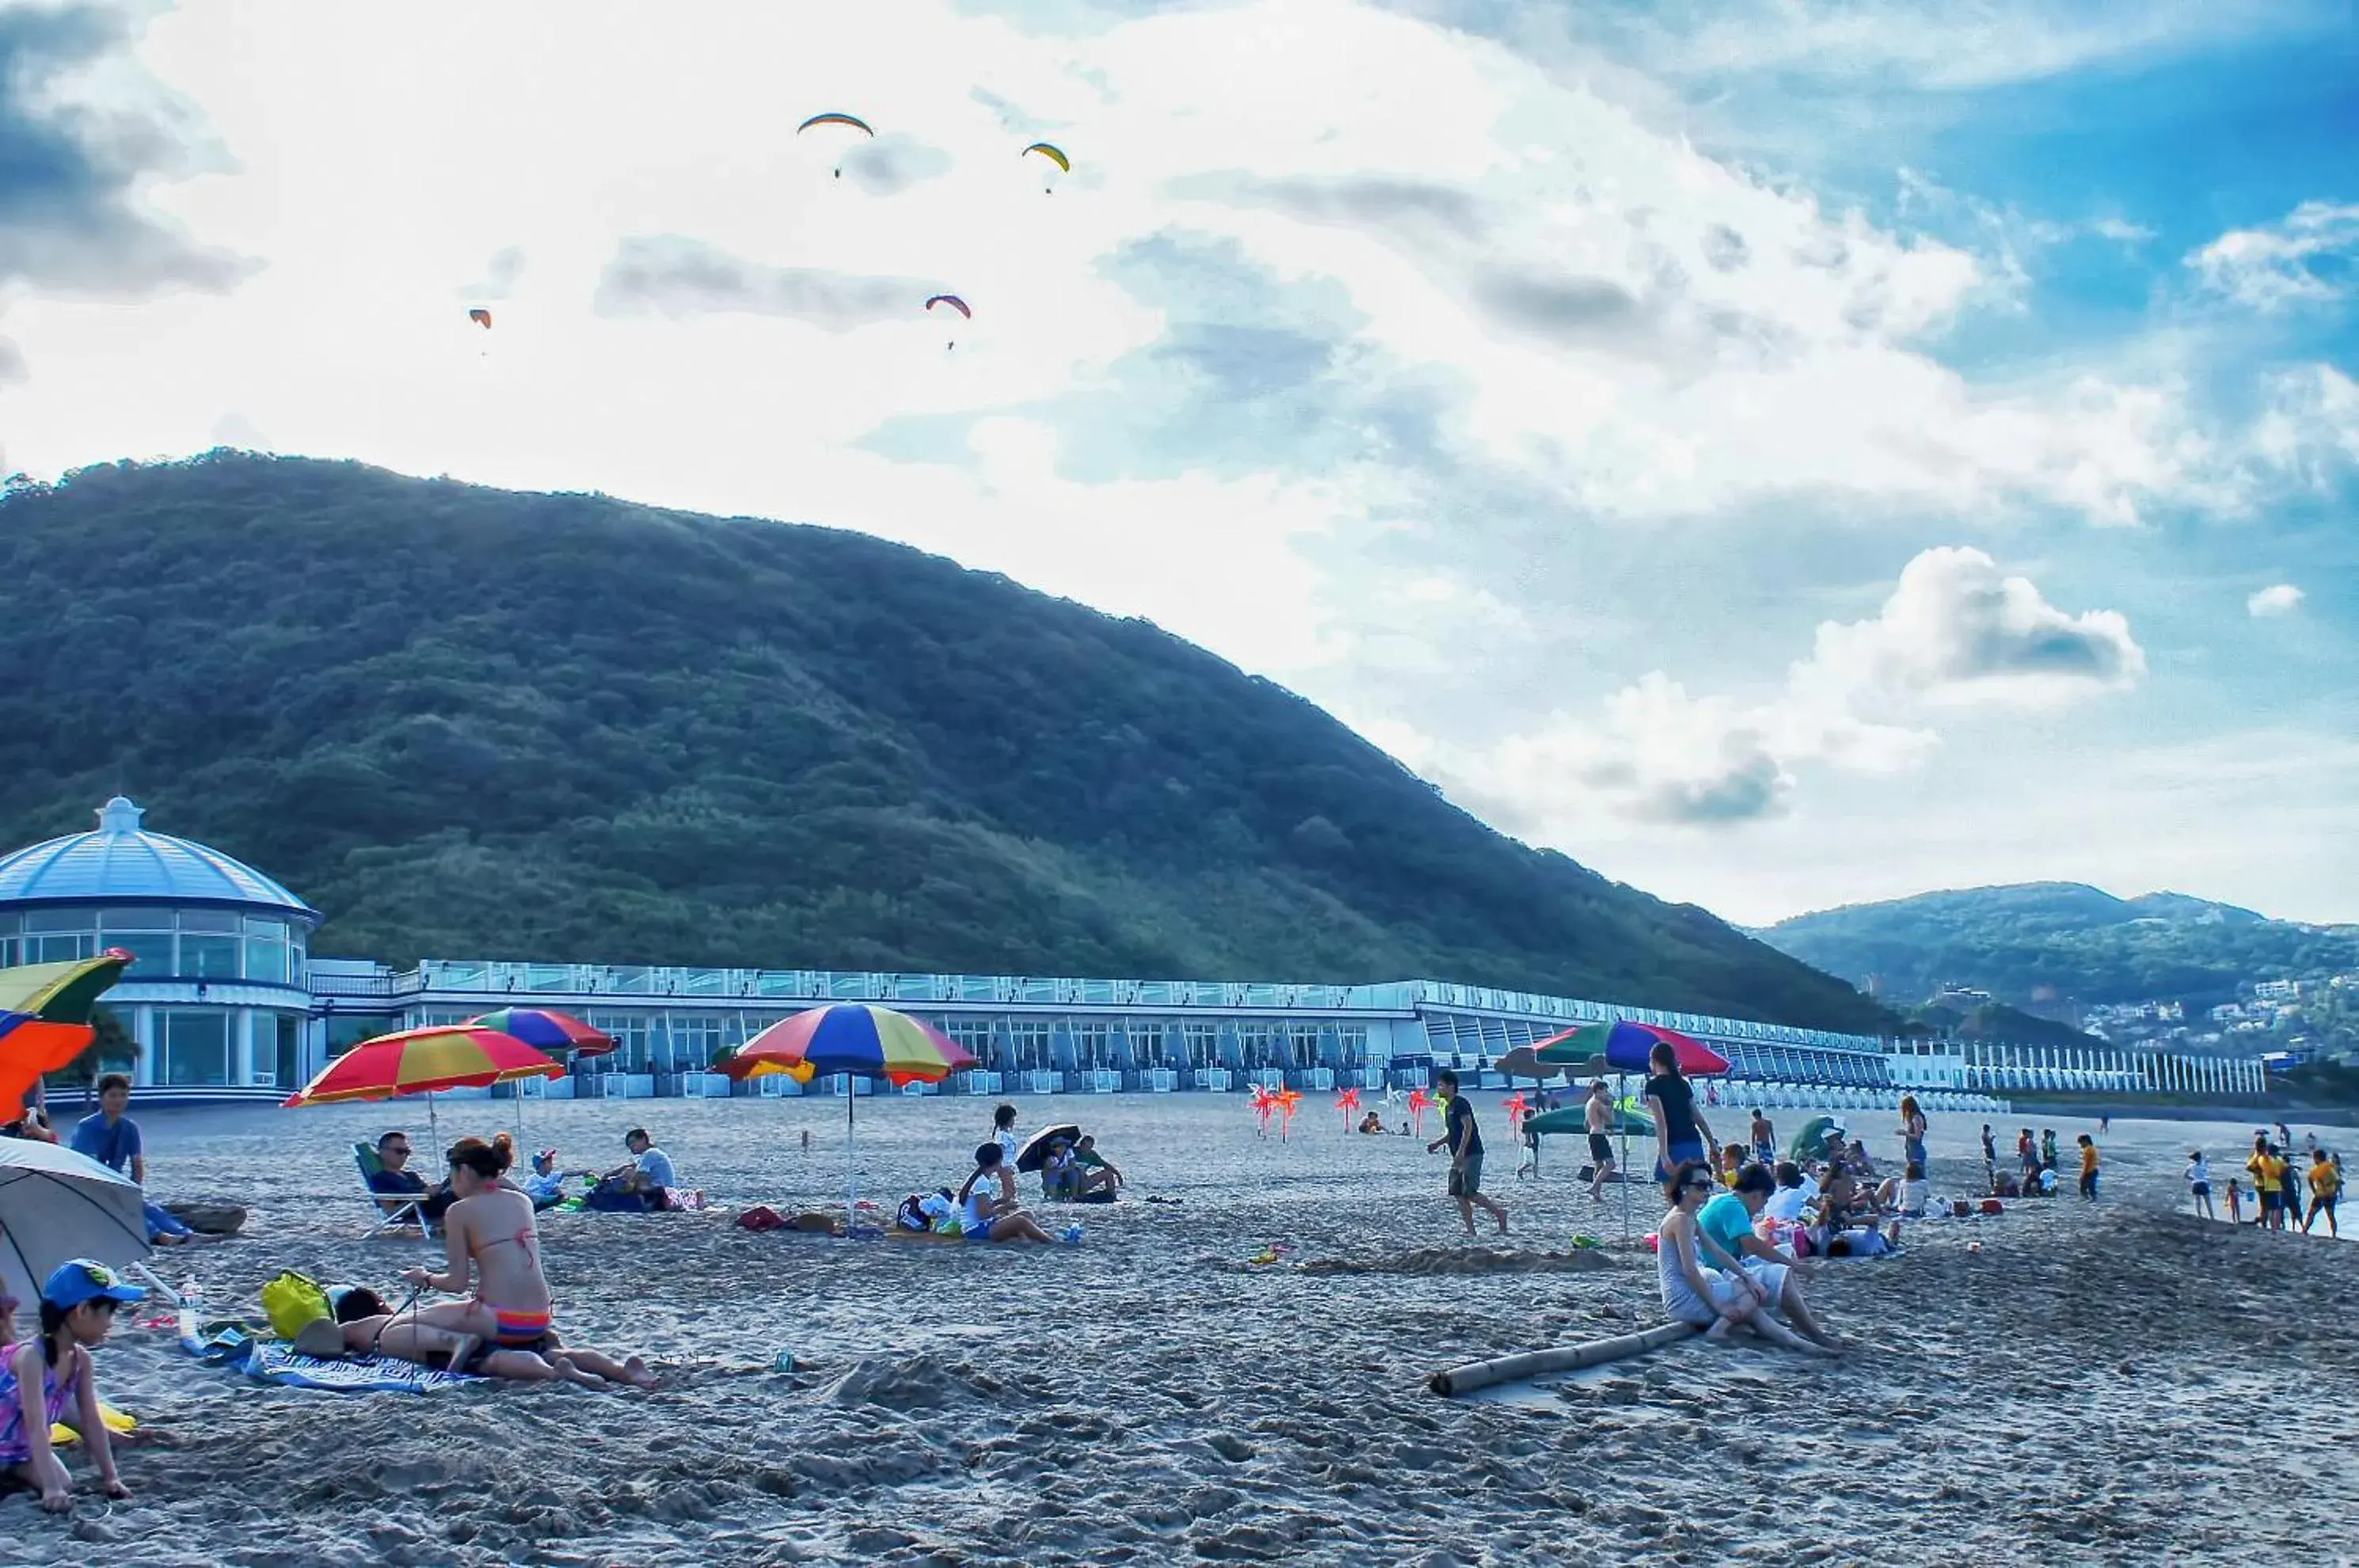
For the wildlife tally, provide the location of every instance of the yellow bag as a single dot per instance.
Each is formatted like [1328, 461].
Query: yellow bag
[292, 1301]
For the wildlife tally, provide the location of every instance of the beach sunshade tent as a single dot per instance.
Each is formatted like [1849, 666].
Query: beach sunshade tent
[555, 1034]
[1624, 1046]
[1810, 1143]
[56, 1205]
[425, 1062]
[1035, 1152]
[1575, 1118]
[860, 1039]
[45, 1021]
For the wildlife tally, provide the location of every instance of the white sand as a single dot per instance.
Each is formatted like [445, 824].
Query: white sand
[2120, 1384]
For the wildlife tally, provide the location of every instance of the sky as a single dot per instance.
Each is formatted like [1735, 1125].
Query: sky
[1783, 463]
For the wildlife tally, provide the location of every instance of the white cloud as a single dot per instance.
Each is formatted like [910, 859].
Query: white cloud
[2278, 599]
[2276, 266]
[1954, 635]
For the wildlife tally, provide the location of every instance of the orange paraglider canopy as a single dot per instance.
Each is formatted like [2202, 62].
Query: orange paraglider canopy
[45, 1019]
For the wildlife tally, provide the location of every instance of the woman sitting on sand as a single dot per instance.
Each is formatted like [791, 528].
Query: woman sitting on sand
[987, 1206]
[506, 1328]
[1724, 1296]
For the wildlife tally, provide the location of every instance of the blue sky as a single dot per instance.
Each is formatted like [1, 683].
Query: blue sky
[1864, 448]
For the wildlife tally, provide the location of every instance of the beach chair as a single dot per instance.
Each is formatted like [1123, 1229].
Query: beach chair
[402, 1213]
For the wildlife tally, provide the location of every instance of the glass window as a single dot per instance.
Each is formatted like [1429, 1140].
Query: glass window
[11, 923]
[9, 953]
[59, 920]
[151, 954]
[61, 948]
[266, 959]
[208, 919]
[288, 1056]
[257, 925]
[196, 1047]
[149, 920]
[209, 957]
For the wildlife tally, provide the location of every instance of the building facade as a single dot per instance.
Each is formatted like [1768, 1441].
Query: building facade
[216, 992]
[224, 998]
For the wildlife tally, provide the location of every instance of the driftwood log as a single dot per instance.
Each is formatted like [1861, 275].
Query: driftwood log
[1528, 1363]
[208, 1217]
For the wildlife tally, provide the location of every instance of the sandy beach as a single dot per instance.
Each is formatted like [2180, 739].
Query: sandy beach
[2120, 1383]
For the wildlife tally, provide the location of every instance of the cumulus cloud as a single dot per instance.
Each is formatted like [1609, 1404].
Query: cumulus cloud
[12, 371]
[889, 164]
[680, 277]
[2308, 258]
[69, 218]
[499, 278]
[2278, 599]
[1954, 632]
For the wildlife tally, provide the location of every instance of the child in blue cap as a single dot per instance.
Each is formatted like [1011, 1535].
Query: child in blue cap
[45, 1377]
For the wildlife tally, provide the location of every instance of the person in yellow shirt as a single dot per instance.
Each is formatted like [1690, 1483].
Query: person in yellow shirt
[2268, 1183]
[2325, 1186]
[2088, 1168]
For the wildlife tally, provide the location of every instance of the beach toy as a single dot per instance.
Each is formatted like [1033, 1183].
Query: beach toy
[1654, 1241]
[1417, 1102]
[784, 1361]
[1973, 1246]
[1585, 1241]
[64, 1436]
[1289, 1102]
[1517, 1107]
[1347, 1102]
[1265, 1104]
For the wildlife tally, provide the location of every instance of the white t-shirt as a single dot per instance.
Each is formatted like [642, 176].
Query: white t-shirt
[2199, 1173]
[1914, 1194]
[1786, 1203]
[1008, 1144]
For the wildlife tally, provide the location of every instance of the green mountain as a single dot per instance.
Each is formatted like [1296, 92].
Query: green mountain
[2045, 942]
[470, 723]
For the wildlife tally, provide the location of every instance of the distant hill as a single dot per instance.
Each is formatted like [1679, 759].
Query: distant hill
[2038, 942]
[471, 722]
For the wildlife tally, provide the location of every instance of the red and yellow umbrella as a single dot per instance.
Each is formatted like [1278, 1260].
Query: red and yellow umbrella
[45, 1019]
[425, 1062]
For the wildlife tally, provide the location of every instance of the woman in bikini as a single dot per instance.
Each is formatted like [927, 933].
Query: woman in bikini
[506, 1328]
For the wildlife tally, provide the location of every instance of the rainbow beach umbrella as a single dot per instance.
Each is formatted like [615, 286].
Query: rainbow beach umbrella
[545, 1029]
[424, 1062]
[1625, 1047]
[45, 1019]
[855, 1037]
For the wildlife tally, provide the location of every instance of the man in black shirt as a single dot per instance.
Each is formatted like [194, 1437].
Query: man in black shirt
[1465, 1144]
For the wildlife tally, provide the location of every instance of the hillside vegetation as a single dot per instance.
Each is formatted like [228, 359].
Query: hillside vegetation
[469, 722]
[2023, 942]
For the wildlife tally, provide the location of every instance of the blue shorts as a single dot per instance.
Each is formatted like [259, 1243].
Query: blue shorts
[1680, 1153]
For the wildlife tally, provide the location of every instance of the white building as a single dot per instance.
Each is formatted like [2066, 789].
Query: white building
[215, 991]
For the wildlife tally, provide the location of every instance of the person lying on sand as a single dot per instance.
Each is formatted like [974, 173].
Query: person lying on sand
[1714, 1299]
[406, 1338]
[987, 1207]
[494, 1239]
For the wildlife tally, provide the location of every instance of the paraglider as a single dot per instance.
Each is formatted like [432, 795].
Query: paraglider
[480, 317]
[1054, 155]
[852, 121]
[955, 303]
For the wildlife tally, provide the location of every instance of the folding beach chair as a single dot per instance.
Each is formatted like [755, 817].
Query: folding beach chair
[403, 1212]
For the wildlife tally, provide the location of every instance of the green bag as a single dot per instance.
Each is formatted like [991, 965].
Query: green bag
[293, 1300]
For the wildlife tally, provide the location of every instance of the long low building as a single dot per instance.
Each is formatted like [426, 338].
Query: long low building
[224, 999]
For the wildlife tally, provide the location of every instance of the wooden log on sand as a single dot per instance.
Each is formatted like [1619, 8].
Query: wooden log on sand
[1563, 1359]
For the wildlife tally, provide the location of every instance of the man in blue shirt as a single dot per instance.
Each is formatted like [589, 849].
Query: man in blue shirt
[112, 1138]
[1726, 1222]
[1465, 1143]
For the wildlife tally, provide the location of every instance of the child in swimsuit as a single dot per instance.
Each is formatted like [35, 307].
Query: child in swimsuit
[78, 1306]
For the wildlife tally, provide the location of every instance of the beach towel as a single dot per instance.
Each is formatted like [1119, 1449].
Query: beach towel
[272, 1362]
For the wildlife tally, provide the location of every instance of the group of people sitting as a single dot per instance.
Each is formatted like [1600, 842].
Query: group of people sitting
[503, 1325]
[985, 1206]
[648, 1181]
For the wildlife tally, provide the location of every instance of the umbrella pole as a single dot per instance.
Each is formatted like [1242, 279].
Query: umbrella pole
[1621, 1084]
[850, 1157]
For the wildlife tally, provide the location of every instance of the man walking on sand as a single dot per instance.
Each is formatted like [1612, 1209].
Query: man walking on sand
[1598, 1118]
[1465, 1141]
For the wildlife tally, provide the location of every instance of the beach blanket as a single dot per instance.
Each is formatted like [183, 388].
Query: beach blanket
[274, 1362]
[233, 1344]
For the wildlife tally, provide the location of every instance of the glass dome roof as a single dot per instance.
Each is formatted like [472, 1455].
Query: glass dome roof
[122, 862]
